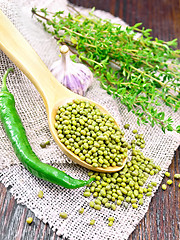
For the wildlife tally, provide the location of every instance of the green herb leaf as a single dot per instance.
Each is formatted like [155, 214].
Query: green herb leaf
[139, 71]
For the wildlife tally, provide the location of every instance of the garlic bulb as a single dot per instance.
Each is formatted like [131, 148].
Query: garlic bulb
[75, 76]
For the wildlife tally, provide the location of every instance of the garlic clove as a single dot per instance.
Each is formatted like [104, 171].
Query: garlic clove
[75, 76]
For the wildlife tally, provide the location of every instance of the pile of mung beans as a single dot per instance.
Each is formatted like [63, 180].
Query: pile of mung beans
[125, 186]
[96, 139]
[92, 135]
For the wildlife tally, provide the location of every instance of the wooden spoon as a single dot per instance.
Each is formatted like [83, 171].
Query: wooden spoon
[54, 94]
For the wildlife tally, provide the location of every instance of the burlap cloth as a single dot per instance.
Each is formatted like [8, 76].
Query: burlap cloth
[30, 106]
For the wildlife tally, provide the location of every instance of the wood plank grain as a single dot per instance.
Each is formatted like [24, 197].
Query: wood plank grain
[21, 225]
[13, 224]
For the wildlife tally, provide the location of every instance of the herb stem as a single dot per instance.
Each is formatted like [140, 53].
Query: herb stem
[76, 33]
[147, 75]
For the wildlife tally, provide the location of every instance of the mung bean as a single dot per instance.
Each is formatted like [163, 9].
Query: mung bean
[177, 176]
[29, 220]
[81, 210]
[40, 194]
[110, 223]
[169, 182]
[92, 222]
[167, 174]
[63, 215]
[164, 187]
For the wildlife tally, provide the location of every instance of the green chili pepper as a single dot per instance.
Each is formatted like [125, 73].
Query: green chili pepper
[17, 135]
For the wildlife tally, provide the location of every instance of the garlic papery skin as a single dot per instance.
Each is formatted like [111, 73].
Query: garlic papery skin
[75, 76]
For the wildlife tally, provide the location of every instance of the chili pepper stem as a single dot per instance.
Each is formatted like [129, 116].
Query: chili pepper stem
[4, 87]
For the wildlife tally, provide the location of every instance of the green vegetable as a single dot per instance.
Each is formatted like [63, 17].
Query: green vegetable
[128, 199]
[113, 206]
[16, 133]
[107, 205]
[43, 145]
[110, 189]
[133, 200]
[145, 190]
[97, 201]
[63, 215]
[144, 75]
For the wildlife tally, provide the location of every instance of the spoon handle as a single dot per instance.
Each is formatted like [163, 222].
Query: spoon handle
[13, 44]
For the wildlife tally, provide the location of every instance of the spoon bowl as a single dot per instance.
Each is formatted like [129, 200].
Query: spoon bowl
[54, 94]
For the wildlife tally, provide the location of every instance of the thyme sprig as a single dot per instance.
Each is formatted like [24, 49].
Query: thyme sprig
[138, 70]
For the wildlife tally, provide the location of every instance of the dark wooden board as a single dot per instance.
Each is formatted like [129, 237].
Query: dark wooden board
[162, 221]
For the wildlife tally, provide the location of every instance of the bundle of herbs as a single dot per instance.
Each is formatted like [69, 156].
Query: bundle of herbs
[141, 71]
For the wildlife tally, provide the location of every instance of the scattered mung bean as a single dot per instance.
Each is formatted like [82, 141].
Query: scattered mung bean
[148, 194]
[81, 210]
[134, 205]
[154, 184]
[97, 207]
[126, 126]
[40, 194]
[92, 222]
[164, 187]
[111, 219]
[141, 201]
[44, 144]
[125, 204]
[29, 220]
[134, 131]
[110, 223]
[177, 176]
[167, 174]
[169, 182]
[63, 215]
